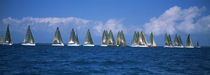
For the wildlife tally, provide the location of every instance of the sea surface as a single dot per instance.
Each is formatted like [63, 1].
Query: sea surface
[45, 59]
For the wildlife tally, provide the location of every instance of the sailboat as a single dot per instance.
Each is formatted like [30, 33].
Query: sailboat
[169, 41]
[73, 40]
[88, 39]
[180, 44]
[121, 39]
[176, 41]
[166, 44]
[29, 39]
[152, 41]
[57, 41]
[135, 41]
[197, 45]
[111, 41]
[2, 40]
[104, 38]
[142, 40]
[189, 43]
[8, 40]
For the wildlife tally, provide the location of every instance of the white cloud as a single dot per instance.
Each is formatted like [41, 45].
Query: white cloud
[175, 19]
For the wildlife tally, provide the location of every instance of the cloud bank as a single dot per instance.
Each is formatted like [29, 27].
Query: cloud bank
[176, 19]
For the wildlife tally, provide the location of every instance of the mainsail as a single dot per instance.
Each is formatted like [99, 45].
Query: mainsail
[88, 39]
[166, 43]
[189, 43]
[8, 40]
[111, 41]
[2, 39]
[169, 40]
[176, 41]
[104, 38]
[57, 41]
[73, 40]
[152, 40]
[180, 41]
[121, 39]
[29, 39]
[144, 41]
[197, 45]
[135, 39]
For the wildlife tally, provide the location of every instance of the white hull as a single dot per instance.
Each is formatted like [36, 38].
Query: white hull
[88, 45]
[139, 46]
[7, 44]
[134, 45]
[58, 44]
[189, 46]
[178, 46]
[28, 44]
[73, 44]
[104, 45]
[168, 46]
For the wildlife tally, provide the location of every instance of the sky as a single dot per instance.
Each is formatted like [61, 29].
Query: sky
[180, 17]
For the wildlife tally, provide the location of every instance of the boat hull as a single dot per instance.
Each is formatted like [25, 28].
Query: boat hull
[88, 45]
[73, 45]
[58, 44]
[168, 46]
[28, 44]
[178, 46]
[189, 46]
[104, 45]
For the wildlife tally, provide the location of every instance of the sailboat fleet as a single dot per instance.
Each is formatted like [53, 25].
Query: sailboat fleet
[139, 39]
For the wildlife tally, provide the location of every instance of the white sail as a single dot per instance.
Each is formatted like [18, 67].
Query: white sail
[121, 39]
[111, 41]
[152, 41]
[29, 39]
[197, 45]
[189, 43]
[2, 39]
[104, 38]
[57, 41]
[8, 40]
[142, 40]
[135, 40]
[176, 41]
[73, 40]
[88, 39]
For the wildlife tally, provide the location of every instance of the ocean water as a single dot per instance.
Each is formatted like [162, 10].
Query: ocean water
[45, 59]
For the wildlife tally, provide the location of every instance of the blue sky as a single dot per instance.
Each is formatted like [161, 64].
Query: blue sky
[171, 16]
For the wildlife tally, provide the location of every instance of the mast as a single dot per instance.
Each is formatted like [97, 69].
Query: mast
[29, 37]
[189, 42]
[88, 38]
[2, 39]
[57, 38]
[8, 40]
[176, 40]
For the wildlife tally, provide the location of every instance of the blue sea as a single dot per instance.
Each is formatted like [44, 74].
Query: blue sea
[45, 59]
